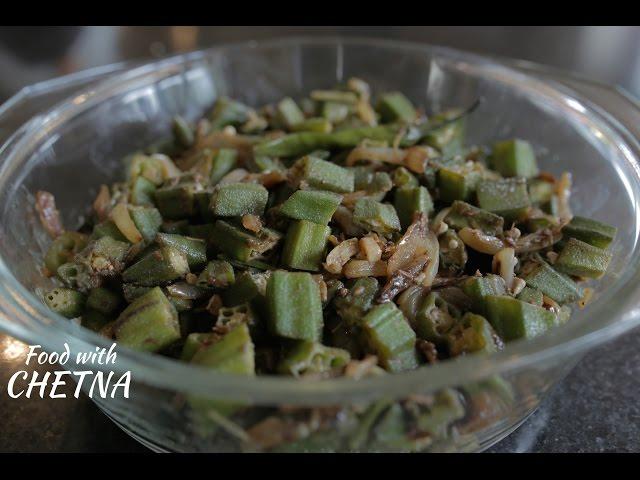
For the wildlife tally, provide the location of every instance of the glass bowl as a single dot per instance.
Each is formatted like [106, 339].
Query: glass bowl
[68, 136]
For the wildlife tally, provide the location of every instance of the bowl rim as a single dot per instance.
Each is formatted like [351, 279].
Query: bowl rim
[33, 322]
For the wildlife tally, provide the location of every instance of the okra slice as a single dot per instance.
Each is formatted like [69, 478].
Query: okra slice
[95, 320]
[377, 216]
[104, 256]
[453, 253]
[237, 199]
[223, 162]
[458, 182]
[182, 132]
[104, 300]
[590, 231]
[540, 192]
[395, 106]
[334, 112]
[176, 202]
[312, 357]
[234, 353]
[583, 260]
[403, 178]
[228, 112]
[447, 408]
[246, 287]
[149, 323]
[514, 158]
[434, 319]
[531, 295]
[409, 200]
[239, 243]
[217, 274]
[142, 192]
[508, 197]
[294, 306]
[314, 124]
[158, 267]
[323, 175]
[479, 288]
[353, 306]
[147, 220]
[463, 215]
[194, 342]
[473, 334]
[288, 112]
[553, 284]
[107, 228]
[65, 301]
[194, 249]
[63, 249]
[514, 319]
[449, 138]
[304, 245]
[389, 336]
[311, 205]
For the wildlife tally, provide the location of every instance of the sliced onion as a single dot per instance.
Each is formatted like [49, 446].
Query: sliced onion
[363, 268]
[480, 241]
[370, 249]
[376, 154]
[49, 215]
[102, 203]
[417, 241]
[504, 263]
[340, 255]
[122, 219]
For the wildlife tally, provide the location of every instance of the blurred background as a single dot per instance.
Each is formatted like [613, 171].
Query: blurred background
[32, 54]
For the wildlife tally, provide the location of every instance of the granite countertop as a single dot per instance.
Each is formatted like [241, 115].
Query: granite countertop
[595, 409]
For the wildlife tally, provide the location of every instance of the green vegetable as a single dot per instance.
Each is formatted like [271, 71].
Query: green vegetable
[457, 182]
[194, 342]
[335, 112]
[63, 249]
[325, 175]
[389, 336]
[463, 215]
[394, 106]
[353, 306]
[158, 267]
[147, 220]
[409, 200]
[222, 163]
[583, 260]
[316, 125]
[237, 199]
[65, 301]
[553, 284]
[472, 334]
[434, 319]
[508, 198]
[311, 357]
[176, 202]
[514, 158]
[294, 306]
[479, 288]
[531, 295]
[103, 300]
[311, 205]
[182, 132]
[217, 274]
[194, 249]
[142, 192]
[305, 245]
[379, 217]
[514, 319]
[590, 231]
[239, 243]
[228, 112]
[234, 353]
[149, 323]
[289, 113]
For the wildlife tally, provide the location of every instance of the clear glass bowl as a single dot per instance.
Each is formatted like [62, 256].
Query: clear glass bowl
[78, 128]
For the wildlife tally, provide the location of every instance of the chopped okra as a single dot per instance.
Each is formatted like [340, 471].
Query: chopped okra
[328, 236]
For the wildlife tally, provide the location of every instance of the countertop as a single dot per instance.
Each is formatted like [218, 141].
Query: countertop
[595, 409]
